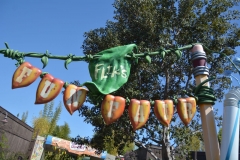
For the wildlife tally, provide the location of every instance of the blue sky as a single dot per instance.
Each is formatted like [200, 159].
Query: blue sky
[56, 26]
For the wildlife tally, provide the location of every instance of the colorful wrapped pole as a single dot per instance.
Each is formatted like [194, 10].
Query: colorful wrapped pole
[230, 129]
[201, 72]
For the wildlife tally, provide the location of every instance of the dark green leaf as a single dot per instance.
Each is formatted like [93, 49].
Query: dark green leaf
[178, 54]
[44, 60]
[69, 60]
[162, 54]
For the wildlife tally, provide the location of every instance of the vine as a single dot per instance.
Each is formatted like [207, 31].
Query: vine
[202, 94]
[109, 70]
[19, 56]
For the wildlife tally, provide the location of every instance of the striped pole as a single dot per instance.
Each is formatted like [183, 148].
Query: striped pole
[230, 129]
[201, 72]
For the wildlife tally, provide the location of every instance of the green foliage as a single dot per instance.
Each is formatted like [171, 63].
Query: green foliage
[107, 142]
[113, 148]
[41, 126]
[59, 154]
[3, 146]
[195, 143]
[55, 118]
[162, 24]
[5, 154]
[62, 131]
[24, 116]
[46, 122]
[47, 110]
[189, 141]
[128, 147]
[109, 145]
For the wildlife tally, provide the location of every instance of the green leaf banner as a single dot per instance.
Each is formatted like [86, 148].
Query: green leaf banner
[111, 70]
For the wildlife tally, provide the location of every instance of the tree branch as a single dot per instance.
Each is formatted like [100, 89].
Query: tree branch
[166, 84]
[189, 77]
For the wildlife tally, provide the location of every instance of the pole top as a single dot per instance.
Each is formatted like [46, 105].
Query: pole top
[197, 47]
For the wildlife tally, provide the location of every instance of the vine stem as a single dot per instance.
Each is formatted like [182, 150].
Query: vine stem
[19, 56]
[39, 55]
[157, 52]
[79, 58]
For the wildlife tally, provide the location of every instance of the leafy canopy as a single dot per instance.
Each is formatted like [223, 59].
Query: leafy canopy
[152, 24]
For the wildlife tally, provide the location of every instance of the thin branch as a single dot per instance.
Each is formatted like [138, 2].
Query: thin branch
[166, 84]
[156, 141]
[188, 80]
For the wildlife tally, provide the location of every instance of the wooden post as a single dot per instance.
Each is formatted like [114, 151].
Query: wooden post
[201, 73]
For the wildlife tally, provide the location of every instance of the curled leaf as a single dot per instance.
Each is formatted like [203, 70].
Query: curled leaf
[148, 58]
[69, 60]
[162, 54]
[6, 44]
[178, 54]
[44, 60]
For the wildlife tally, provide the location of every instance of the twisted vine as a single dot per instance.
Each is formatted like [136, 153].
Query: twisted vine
[202, 94]
[19, 56]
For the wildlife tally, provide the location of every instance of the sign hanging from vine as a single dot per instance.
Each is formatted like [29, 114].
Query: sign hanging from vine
[109, 70]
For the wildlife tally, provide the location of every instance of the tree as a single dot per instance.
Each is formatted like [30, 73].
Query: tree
[155, 25]
[41, 126]
[5, 154]
[3, 146]
[190, 142]
[46, 122]
[62, 131]
[195, 143]
[109, 144]
[24, 116]
[61, 154]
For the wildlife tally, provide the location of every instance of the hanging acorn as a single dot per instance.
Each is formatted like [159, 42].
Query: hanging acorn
[139, 111]
[186, 109]
[112, 108]
[74, 97]
[25, 75]
[163, 110]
